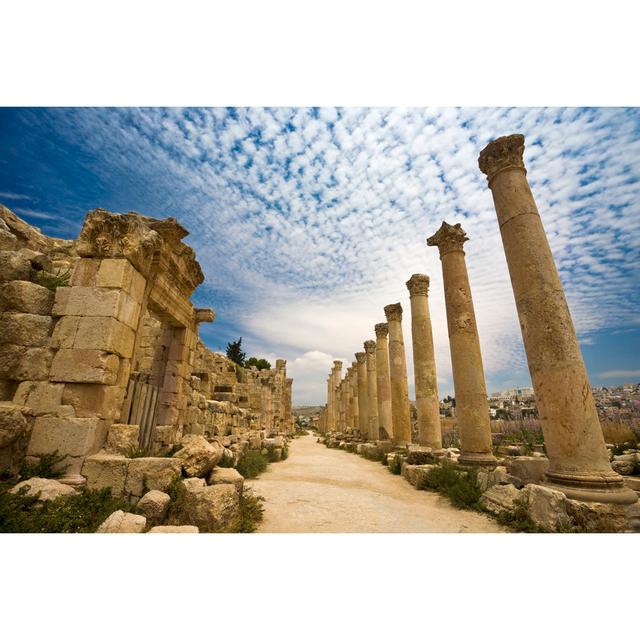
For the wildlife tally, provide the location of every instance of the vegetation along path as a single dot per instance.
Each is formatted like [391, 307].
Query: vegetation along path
[328, 490]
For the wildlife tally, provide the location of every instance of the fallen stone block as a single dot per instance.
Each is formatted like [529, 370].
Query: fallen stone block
[69, 436]
[624, 464]
[528, 468]
[145, 474]
[420, 455]
[213, 509]
[222, 475]
[415, 474]
[26, 297]
[48, 489]
[547, 508]
[104, 470]
[596, 517]
[122, 438]
[154, 506]
[186, 528]
[14, 436]
[121, 522]
[500, 498]
[198, 456]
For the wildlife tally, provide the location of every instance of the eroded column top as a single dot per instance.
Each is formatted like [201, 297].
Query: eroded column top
[370, 346]
[502, 153]
[337, 365]
[361, 357]
[382, 330]
[418, 285]
[448, 238]
[393, 312]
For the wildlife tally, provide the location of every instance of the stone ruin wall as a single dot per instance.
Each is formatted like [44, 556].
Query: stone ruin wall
[76, 361]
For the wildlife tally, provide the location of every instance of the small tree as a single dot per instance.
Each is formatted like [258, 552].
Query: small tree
[258, 363]
[235, 352]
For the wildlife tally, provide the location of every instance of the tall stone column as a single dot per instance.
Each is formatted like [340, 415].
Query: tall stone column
[363, 389]
[330, 418]
[472, 408]
[385, 419]
[337, 376]
[354, 396]
[578, 461]
[424, 364]
[372, 389]
[398, 375]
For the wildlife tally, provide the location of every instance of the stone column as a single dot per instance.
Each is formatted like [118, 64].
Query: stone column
[385, 419]
[348, 400]
[424, 364]
[330, 420]
[372, 389]
[363, 389]
[472, 408]
[354, 396]
[398, 375]
[578, 461]
[337, 376]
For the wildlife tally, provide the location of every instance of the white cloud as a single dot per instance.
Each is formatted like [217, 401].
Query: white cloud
[630, 374]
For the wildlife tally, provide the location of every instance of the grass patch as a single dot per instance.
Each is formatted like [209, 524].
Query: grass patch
[82, 512]
[460, 487]
[174, 449]
[518, 519]
[251, 464]
[285, 452]
[49, 466]
[226, 462]
[53, 280]
[251, 512]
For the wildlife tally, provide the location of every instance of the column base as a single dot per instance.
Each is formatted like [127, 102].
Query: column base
[473, 459]
[607, 488]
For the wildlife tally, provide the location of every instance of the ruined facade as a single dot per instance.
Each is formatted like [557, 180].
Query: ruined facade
[99, 338]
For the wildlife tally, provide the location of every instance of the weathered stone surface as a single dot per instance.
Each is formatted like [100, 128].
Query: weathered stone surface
[84, 365]
[198, 456]
[47, 488]
[25, 329]
[122, 438]
[14, 265]
[121, 522]
[528, 469]
[212, 509]
[414, 474]
[500, 498]
[489, 477]
[40, 397]
[26, 297]
[151, 473]
[70, 436]
[10, 358]
[624, 464]
[546, 507]
[34, 364]
[154, 506]
[420, 456]
[174, 529]
[99, 400]
[13, 426]
[105, 334]
[223, 475]
[595, 517]
[103, 470]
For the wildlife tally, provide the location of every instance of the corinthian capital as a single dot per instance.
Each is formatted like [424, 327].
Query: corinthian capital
[418, 285]
[449, 237]
[361, 357]
[503, 153]
[382, 330]
[370, 346]
[337, 365]
[393, 312]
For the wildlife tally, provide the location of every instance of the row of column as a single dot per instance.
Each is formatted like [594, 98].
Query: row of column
[377, 385]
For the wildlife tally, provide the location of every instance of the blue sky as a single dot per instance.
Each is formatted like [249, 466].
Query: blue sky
[308, 221]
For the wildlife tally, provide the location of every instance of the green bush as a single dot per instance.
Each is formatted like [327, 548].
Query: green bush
[285, 452]
[48, 466]
[251, 464]
[226, 462]
[251, 512]
[518, 519]
[461, 487]
[395, 466]
[82, 512]
[384, 460]
[53, 280]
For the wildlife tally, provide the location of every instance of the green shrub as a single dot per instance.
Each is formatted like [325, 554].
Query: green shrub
[251, 464]
[395, 466]
[518, 519]
[251, 512]
[384, 460]
[461, 487]
[47, 467]
[82, 512]
[53, 280]
[226, 462]
[285, 453]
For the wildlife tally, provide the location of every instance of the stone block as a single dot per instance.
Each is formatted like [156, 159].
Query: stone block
[105, 334]
[528, 469]
[154, 506]
[14, 436]
[60, 300]
[128, 311]
[500, 498]
[47, 488]
[633, 482]
[115, 273]
[35, 364]
[122, 438]
[84, 365]
[14, 265]
[40, 397]
[624, 464]
[25, 329]
[103, 470]
[26, 297]
[64, 332]
[224, 475]
[174, 529]
[546, 507]
[212, 509]
[104, 401]
[198, 456]
[415, 474]
[151, 473]
[69, 436]
[121, 522]
[10, 358]
[84, 272]
[595, 517]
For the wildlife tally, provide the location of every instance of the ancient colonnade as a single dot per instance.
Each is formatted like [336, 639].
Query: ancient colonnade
[374, 394]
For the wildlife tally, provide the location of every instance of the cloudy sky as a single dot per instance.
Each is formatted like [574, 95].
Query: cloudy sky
[308, 221]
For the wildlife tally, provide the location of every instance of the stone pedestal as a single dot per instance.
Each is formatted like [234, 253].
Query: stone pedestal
[472, 409]
[578, 461]
[398, 375]
[424, 364]
[363, 390]
[372, 389]
[385, 419]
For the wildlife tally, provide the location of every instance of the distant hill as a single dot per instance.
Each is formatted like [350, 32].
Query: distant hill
[306, 412]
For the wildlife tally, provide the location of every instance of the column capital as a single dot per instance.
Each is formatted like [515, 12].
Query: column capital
[382, 330]
[393, 312]
[337, 364]
[502, 153]
[418, 285]
[370, 347]
[448, 238]
[361, 357]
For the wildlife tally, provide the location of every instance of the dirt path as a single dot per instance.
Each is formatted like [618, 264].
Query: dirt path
[318, 490]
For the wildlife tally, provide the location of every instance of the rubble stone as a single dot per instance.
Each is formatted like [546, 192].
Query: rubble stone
[546, 507]
[222, 475]
[186, 528]
[121, 522]
[500, 498]
[145, 474]
[198, 456]
[26, 297]
[47, 488]
[154, 506]
[103, 470]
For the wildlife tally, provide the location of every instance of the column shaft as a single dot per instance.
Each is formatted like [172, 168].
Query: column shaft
[372, 389]
[385, 419]
[363, 413]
